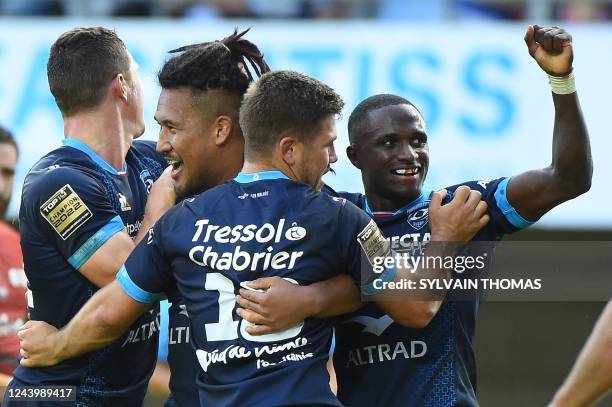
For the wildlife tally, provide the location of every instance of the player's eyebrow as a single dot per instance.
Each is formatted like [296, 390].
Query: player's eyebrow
[165, 122]
[414, 134]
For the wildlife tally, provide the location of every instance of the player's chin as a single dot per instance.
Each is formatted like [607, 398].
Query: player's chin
[405, 181]
[180, 191]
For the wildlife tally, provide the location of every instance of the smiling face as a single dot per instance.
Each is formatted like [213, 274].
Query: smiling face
[390, 148]
[186, 141]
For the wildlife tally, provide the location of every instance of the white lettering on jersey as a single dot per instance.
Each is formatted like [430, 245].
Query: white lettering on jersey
[238, 259]
[385, 352]
[142, 332]
[235, 352]
[483, 183]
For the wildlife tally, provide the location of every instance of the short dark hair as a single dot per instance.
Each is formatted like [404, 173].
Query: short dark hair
[82, 63]
[283, 101]
[216, 65]
[360, 113]
[7, 137]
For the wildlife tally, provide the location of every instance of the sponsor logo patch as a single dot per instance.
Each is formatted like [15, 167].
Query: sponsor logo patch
[125, 205]
[419, 217]
[373, 242]
[295, 232]
[65, 211]
[147, 179]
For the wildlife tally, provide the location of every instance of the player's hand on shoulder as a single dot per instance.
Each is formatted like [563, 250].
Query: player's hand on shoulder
[39, 342]
[273, 304]
[551, 47]
[460, 219]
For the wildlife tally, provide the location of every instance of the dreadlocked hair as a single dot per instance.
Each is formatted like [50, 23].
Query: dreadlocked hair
[226, 64]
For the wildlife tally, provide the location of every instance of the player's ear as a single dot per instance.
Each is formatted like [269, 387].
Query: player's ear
[224, 126]
[120, 87]
[351, 153]
[289, 150]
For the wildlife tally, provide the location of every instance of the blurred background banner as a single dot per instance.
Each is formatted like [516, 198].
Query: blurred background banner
[487, 104]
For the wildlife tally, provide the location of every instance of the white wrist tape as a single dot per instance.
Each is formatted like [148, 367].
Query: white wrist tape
[562, 85]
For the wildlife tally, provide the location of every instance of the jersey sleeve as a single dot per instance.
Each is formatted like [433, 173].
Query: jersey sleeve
[504, 217]
[72, 210]
[146, 274]
[362, 244]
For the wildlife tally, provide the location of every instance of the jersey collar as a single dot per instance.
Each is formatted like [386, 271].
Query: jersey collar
[425, 195]
[79, 145]
[244, 178]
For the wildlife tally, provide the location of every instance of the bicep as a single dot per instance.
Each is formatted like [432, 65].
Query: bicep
[103, 265]
[533, 193]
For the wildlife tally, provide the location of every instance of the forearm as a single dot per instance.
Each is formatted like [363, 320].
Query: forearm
[161, 198]
[416, 307]
[100, 322]
[147, 223]
[591, 376]
[336, 296]
[572, 165]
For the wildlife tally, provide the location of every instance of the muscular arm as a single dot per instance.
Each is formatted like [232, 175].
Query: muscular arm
[102, 266]
[280, 304]
[591, 376]
[411, 312]
[275, 304]
[457, 221]
[101, 321]
[533, 193]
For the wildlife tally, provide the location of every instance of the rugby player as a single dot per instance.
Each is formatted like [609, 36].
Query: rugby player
[200, 135]
[377, 361]
[83, 211]
[267, 221]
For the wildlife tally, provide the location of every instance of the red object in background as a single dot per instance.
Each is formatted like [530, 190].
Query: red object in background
[13, 306]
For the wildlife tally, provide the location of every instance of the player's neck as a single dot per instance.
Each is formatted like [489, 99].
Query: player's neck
[378, 203]
[105, 137]
[250, 167]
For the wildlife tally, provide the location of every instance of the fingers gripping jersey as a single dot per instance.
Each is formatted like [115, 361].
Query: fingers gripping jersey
[72, 203]
[379, 362]
[258, 225]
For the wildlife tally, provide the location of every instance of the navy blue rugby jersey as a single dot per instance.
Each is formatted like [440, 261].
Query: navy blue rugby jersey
[72, 203]
[379, 362]
[206, 248]
[182, 359]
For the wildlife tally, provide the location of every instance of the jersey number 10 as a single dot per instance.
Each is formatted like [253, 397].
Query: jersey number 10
[227, 329]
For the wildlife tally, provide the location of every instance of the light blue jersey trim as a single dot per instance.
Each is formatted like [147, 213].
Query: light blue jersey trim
[508, 210]
[422, 198]
[133, 290]
[96, 241]
[162, 349]
[244, 178]
[79, 145]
